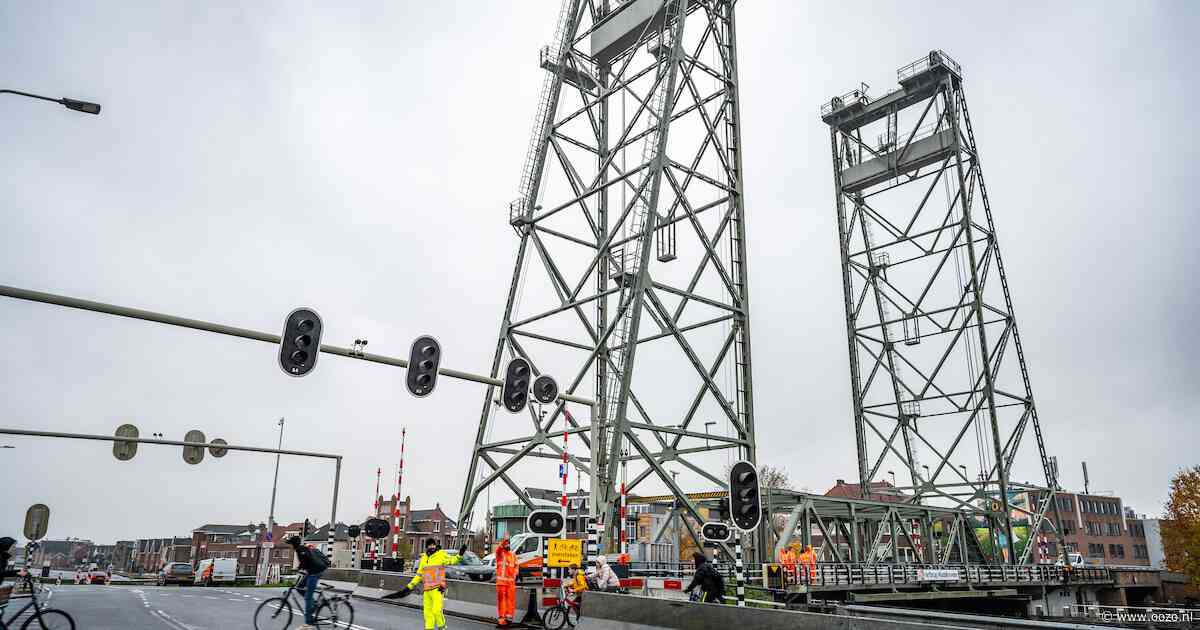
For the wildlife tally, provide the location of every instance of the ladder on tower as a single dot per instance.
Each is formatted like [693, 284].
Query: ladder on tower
[736, 236]
[628, 259]
[520, 210]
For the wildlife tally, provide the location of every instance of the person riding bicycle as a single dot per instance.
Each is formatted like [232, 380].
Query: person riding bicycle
[710, 583]
[313, 563]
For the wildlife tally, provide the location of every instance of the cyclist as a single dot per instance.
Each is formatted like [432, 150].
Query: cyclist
[313, 563]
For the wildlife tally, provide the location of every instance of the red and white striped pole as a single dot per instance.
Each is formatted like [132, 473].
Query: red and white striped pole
[621, 513]
[375, 543]
[396, 498]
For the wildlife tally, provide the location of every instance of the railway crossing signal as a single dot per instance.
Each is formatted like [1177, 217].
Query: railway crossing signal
[545, 522]
[37, 519]
[300, 344]
[353, 531]
[423, 360]
[744, 494]
[376, 528]
[715, 532]
[515, 392]
[545, 389]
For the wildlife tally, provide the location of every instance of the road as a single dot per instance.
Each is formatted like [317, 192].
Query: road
[196, 608]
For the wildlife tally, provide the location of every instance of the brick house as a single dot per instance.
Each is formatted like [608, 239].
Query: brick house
[430, 524]
[1098, 527]
[221, 541]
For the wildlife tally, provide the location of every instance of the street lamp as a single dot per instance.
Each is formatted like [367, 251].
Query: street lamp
[70, 103]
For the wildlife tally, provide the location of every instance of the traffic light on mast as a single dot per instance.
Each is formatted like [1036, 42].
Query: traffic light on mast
[515, 392]
[744, 501]
[300, 344]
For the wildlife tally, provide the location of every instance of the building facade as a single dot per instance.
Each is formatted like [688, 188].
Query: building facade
[1098, 527]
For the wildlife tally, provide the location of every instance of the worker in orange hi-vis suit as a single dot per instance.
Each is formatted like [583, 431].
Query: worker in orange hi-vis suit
[809, 558]
[506, 583]
[789, 557]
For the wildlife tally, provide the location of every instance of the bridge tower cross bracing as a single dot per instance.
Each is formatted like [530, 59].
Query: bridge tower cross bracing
[938, 375]
[630, 278]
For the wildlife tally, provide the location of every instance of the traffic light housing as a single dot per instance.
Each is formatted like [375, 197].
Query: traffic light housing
[744, 496]
[515, 393]
[545, 522]
[423, 360]
[545, 389]
[300, 343]
[353, 531]
[376, 528]
[715, 532]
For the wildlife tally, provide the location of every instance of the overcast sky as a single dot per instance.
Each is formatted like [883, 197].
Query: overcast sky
[255, 157]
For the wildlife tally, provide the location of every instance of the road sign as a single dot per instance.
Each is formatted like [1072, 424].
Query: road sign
[124, 451]
[545, 389]
[37, 519]
[564, 552]
[216, 448]
[193, 454]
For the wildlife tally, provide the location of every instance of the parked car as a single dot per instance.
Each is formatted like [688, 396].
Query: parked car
[471, 568]
[216, 571]
[180, 573]
[97, 576]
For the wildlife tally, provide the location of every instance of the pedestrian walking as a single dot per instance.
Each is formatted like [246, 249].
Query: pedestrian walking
[506, 583]
[431, 575]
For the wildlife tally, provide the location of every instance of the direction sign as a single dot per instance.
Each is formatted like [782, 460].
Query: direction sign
[193, 454]
[564, 552]
[124, 451]
[37, 519]
[216, 448]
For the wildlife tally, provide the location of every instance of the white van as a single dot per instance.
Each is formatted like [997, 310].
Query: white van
[216, 571]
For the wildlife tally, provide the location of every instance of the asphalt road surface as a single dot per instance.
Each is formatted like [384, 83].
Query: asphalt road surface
[197, 608]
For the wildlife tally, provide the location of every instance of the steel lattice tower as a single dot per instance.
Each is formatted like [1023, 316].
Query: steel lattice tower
[630, 278]
[937, 371]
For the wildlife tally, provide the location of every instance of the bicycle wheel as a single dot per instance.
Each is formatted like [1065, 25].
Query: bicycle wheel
[335, 613]
[49, 619]
[273, 614]
[554, 618]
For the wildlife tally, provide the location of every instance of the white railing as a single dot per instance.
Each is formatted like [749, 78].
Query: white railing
[934, 59]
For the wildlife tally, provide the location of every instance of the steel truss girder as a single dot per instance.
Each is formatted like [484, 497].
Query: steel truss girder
[700, 181]
[871, 232]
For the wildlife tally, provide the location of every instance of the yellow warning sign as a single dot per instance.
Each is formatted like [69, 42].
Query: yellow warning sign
[564, 553]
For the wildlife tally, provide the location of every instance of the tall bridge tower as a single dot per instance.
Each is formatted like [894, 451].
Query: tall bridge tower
[941, 393]
[630, 278]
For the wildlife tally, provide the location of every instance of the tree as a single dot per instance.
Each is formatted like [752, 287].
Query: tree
[1181, 525]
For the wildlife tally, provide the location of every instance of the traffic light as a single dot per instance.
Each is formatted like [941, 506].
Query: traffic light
[714, 532]
[376, 528]
[545, 522]
[353, 531]
[744, 502]
[300, 343]
[423, 360]
[545, 389]
[516, 385]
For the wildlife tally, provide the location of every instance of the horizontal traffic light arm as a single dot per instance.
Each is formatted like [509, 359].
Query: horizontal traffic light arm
[244, 333]
[113, 438]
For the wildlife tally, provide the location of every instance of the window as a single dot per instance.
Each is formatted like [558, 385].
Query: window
[1116, 551]
[437, 526]
[1095, 550]
[1114, 529]
[1052, 548]
[1067, 527]
[1139, 551]
[1065, 504]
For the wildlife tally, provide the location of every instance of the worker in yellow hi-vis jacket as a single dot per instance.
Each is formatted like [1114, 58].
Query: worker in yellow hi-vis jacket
[431, 574]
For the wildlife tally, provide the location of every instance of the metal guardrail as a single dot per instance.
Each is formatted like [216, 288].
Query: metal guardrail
[853, 97]
[934, 59]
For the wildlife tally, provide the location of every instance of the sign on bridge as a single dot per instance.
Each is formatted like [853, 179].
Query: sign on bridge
[564, 552]
[937, 575]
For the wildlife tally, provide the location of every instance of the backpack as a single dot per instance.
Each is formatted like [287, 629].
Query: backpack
[319, 561]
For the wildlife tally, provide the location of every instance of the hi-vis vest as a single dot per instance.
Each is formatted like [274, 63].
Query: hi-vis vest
[433, 576]
[506, 568]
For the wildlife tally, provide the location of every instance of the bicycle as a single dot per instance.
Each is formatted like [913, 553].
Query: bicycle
[40, 618]
[276, 613]
[565, 612]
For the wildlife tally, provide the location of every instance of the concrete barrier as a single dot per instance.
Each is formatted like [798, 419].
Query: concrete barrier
[605, 611]
[475, 600]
